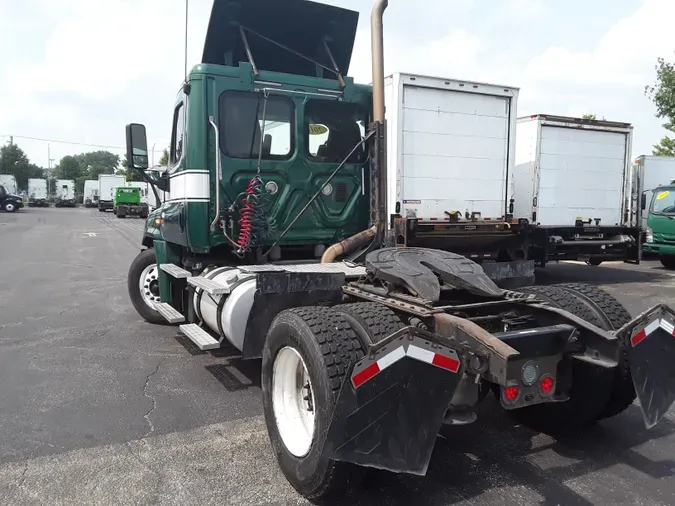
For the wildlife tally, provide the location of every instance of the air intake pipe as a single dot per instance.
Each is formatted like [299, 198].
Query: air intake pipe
[378, 198]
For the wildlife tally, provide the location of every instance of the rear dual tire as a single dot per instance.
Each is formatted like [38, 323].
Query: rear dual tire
[595, 393]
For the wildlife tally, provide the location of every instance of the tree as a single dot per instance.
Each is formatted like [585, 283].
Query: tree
[662, 94]
[14, 161]
[130, 174]
[589, 116]
[69, 168]
[101, 162]
[164, 161]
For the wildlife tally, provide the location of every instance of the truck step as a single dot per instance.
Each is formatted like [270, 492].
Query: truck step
[208, 286]
[169, 313]
[175, 271]
[199, 336]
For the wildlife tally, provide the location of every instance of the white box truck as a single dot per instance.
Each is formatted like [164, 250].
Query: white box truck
[572, 180]
[90, 198]
[106, 189]
[450, 157]
[37, 193]
[9, 182]
[649, 172]
[65, 193]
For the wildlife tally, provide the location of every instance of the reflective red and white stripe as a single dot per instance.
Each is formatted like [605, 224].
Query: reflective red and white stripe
[641, 335]
[448, 361]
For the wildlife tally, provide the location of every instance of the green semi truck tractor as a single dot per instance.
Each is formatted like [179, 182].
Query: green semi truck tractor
[127, 202]
[368, 345]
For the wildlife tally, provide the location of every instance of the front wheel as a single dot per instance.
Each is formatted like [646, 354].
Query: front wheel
[307, 353]
[143, 286]
[668, 261]
[10, 207]
[593, 261]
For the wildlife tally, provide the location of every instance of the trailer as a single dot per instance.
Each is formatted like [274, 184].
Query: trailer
[9, 183]
[572, 180]
[451, 149]
[37, 193]
[648, 173]
[106, 190]
[65, 193]
[368, 346]
[90, 198]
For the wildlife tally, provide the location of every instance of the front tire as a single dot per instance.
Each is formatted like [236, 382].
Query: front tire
[9, 207]
[307, 353]
[594, 262]
[668, 262]
[143, 286]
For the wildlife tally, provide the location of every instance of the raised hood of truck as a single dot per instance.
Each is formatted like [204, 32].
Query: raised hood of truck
[299, 25]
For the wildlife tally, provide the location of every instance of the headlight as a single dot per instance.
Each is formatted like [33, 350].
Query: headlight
[650, 235]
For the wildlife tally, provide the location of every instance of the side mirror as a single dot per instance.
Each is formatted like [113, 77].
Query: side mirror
[137, 147]
[644, 201]
[163, 182]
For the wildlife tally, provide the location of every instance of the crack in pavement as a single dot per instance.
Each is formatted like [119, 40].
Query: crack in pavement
[154, 402]
[22, 478]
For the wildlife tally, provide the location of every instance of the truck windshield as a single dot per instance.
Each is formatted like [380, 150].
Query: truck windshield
[333, 129]
[663, 201]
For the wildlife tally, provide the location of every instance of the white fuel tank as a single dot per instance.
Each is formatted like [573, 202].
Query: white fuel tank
[227, 315]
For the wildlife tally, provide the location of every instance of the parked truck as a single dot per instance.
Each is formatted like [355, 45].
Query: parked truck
[9, 183]
[37, 193]
[367, 349]
[144, 190]
[90, 198]
[106, 190]
[127, 202]
[65, 193]
[649, 172]
[451, 148]
[659, 213]
[8, 201]
[572, 180]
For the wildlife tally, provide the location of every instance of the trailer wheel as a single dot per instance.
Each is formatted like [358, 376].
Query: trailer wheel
[614, 316]
[591, 387]
[371, 321]
[307, 353]
[143, 286]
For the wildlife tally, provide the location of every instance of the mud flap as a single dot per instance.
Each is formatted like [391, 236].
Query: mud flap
[651, 351]
[392, 404]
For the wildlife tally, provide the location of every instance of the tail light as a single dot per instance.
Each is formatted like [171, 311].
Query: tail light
[546, 385]
[511, 393]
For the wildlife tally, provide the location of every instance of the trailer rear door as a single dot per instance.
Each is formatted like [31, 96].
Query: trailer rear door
[581, 175]
[455, 149]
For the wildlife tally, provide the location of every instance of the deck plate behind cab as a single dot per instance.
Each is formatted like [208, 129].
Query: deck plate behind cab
[419, 270]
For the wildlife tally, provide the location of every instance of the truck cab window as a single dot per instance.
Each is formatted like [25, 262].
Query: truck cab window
[334, 128]
[242, 123]
[177, 135]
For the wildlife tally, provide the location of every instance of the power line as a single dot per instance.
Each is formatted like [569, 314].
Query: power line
[73, 143]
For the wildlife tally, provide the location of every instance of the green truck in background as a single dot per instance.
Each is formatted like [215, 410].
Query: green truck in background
[127, 202]
[660, 231]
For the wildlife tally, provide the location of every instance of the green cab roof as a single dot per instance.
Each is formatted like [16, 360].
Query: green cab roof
[299, 25]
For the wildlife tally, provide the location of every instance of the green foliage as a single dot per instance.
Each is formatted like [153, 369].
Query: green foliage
[14, 161]
[68, 168]
[662, 93]
[589, 116]
[665, 148]
[164, 161]
[130, 174]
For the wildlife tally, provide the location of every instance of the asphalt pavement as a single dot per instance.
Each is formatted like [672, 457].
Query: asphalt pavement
[99, 407]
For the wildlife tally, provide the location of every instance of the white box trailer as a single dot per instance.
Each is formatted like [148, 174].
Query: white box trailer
[65, 193]
[572, 180]
[90, 198]
[106, 189]
[9, 182]
[648, 172]
[450, 157]
[37, 192]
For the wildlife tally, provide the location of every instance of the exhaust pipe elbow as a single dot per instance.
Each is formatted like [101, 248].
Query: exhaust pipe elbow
[377, 50]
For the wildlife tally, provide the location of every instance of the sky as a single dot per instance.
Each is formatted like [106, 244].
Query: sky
[80, 70]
